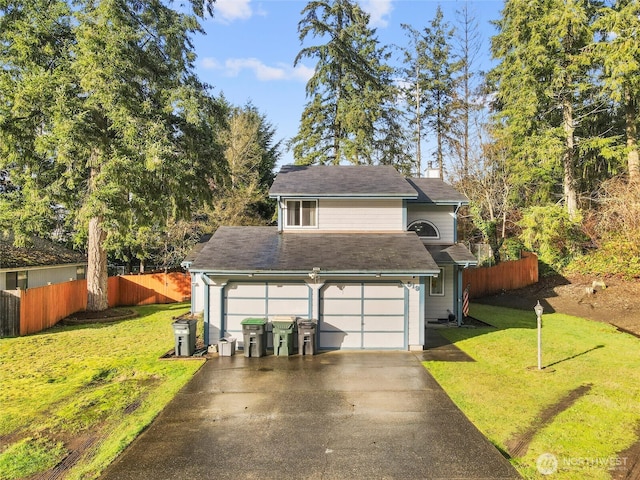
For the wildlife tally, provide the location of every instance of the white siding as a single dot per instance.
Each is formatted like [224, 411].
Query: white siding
[197, 293]
[360, 215]
[436, 306]
[442, 217]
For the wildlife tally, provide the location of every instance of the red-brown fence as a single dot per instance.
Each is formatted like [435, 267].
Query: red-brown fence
[43, 307]
[504, 276]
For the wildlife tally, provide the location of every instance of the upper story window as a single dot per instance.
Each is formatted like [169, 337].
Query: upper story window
[424, 229]
[301, 213]
[15, 280]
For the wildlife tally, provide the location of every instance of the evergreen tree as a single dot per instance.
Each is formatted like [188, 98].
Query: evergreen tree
[544, 83]
[430, 75]
[349, 89]
[100, 112]
[619, 53]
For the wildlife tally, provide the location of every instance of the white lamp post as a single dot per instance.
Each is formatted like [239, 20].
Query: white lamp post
[539, 309]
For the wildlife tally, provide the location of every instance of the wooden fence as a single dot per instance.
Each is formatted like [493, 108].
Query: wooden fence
[504, 276]
[35, 309]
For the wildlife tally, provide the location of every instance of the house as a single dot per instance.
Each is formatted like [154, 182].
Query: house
[369, 254]
[41, 263]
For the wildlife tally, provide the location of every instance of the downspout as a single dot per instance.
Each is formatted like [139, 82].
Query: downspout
[458, 295]
[207, 283]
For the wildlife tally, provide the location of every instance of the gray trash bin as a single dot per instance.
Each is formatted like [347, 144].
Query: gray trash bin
[227, 346]
[255, 341]
[306, 336]
[184, 332]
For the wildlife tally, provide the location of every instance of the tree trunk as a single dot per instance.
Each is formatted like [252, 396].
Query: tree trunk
[633, 160]
[97, 275]
[569, 188]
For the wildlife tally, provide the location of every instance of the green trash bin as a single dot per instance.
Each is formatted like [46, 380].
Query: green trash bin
[253, 332]
[283, 328]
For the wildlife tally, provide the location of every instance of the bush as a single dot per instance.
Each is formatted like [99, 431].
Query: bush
[550, 232]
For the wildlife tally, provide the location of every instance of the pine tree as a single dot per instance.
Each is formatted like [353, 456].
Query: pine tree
[101, 113]
[543, 81]
[619, 53]
[349, 89]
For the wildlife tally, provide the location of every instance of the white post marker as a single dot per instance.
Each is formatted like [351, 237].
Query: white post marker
[539, 309]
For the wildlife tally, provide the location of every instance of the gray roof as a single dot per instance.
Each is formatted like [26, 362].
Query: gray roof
[341, 181]
[434, 190]
[39, 253]
[456, 253]
[264, 250]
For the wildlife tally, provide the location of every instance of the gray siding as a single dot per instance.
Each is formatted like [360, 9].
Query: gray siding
[436, 306]
[360, 215]
[442, 217]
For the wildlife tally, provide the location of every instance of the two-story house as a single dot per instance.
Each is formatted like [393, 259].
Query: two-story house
[369, 254]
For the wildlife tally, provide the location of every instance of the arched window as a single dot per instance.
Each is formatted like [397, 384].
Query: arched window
[424, 229]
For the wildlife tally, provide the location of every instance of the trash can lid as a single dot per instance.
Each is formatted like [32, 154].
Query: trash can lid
[282, 325]
[254, 321]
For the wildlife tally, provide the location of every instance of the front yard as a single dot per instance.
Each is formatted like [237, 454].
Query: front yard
[74, 397]
[576, 418]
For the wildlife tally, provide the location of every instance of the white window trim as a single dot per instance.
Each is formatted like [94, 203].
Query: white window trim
[441, 276]
[286, 213]
[437, 230]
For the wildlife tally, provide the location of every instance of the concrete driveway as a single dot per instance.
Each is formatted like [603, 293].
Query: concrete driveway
[338, 415]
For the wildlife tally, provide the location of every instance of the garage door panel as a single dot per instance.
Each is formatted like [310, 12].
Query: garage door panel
[362, 315]
[337, 340]
[344, 306]
[343, 290]
[384, 324]
[248, 306]
[246, 290]
[277, 290]
[382, 339]
[383, 290]
[349, 323]
[288, 307]
[383, 307]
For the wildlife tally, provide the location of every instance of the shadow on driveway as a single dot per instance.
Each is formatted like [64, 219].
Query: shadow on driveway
[335, 415]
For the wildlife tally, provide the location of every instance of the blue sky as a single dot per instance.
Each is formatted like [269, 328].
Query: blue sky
[250, 45]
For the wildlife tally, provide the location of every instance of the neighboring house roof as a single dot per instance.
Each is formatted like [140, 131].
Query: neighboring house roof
[434, 190]
[40, 253]
[263, 249]
[341, 181]
[456, 254]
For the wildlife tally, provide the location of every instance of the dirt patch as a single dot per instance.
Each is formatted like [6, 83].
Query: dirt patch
[109, 315]
[617, 303]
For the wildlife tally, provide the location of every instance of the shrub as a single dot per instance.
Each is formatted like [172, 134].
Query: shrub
[550, 232]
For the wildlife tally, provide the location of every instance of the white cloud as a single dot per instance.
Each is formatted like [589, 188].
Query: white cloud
[230, 10]
[232, 67]
[378, 10]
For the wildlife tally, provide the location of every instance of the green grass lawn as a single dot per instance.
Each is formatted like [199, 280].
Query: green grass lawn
[88, 388]
[503, 396]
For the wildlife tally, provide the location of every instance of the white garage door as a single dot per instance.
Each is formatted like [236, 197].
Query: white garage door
[263, 300]
[362, 315]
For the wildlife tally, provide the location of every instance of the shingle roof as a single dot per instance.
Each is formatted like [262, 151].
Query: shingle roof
[434, 190]
[263, 249]
[341, 181]
[40, 253]
[456, 253]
